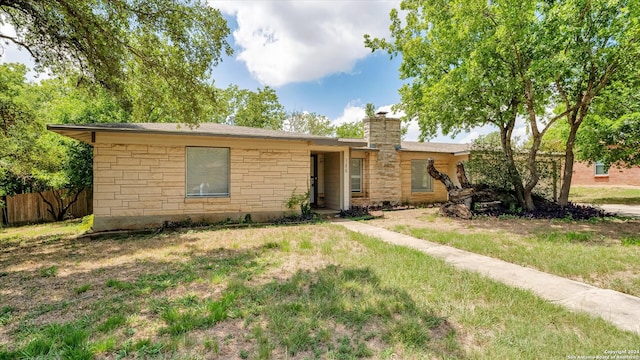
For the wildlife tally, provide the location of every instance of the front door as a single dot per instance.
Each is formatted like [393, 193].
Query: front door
[313, 182]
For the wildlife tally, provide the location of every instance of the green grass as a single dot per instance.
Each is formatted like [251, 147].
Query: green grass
[315, 291]
[50, 271]
[82, 289]
[301, 313]
[504, 322]
[605, 195]
[580, 255]
[45, 232]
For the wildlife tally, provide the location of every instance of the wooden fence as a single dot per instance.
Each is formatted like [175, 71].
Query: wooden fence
[29, 208]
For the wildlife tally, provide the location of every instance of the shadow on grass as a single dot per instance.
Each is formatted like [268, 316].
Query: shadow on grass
[62, 316]
[344, 312]
[339, 312]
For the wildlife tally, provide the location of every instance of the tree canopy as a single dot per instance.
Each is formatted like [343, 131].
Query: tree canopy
[155, 55]
[475, 62]
[244, 107]
[33, 159]
[304, 122]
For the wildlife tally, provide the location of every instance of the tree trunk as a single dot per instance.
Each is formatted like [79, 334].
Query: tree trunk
[443, 178]
[460, 199]
[514, 174]
[462, 175]
[567, 175]
[58, 212]
[533, 173]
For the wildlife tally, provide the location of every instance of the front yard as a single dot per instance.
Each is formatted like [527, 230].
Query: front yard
[626, 195]
[604, 253]
[315, 291]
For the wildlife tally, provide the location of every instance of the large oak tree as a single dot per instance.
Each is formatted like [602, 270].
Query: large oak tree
[156, 55]
[472, 63]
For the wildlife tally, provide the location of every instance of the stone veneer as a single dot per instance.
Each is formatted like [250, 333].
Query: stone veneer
[144, 185]
[383, 135]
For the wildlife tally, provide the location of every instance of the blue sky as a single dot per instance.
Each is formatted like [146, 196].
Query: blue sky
[312, 53]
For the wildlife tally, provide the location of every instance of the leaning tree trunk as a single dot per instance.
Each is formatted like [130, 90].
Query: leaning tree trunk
[460, 199]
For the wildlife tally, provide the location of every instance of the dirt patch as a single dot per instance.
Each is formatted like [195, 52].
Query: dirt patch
[612, 229]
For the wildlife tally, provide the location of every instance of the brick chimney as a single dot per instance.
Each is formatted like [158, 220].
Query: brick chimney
[384, 135]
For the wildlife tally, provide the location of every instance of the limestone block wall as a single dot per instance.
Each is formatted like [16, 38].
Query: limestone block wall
[143, 185]
[383, 136]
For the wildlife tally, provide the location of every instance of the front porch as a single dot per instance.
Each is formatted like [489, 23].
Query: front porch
[329, 180]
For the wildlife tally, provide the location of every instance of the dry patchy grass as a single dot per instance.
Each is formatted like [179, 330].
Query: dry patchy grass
[604, 253]
[315, 291]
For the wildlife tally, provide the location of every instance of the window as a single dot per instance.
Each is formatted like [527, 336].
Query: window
[421, 181]
[601, 169]
[356, 175]
[207, 171]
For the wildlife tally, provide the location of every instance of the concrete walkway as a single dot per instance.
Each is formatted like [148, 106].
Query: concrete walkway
[623, 210]
[620, 309]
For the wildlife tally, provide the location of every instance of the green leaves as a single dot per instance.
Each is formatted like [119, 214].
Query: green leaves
[308, 123]
[150, 53]
[473, 63]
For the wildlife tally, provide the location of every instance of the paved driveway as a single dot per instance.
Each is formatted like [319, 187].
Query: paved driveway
[624, 210]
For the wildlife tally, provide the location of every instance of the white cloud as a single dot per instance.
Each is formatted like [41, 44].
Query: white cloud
[413, 133]
[354, 111]
[351, 113]
[288, 41]
[390, 112]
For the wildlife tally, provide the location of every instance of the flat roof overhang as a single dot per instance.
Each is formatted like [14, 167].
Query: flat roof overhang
[86, 134]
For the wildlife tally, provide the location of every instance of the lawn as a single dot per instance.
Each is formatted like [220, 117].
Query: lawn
[605, 195]
[315, 291]
[604, 253]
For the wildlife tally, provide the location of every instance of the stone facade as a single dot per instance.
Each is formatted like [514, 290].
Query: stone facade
[383, 137]
[140, 171]
[387, 167]
[138, 185]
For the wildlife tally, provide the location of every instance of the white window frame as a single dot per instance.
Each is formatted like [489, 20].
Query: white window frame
[422, 189]
[604, 171]
[356, 176]
[192, 190]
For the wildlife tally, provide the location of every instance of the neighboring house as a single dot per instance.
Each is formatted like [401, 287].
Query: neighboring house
[146, 174]
[598, 174]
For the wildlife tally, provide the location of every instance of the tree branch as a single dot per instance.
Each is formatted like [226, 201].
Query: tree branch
[19, 43]
[50, 209]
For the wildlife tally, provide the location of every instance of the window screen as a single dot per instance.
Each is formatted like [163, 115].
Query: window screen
[207, 171]
[421, 181]
[356, 175]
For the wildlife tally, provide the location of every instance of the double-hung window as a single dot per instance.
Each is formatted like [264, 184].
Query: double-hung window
[421, 181]
[207, 172]
[356, 175]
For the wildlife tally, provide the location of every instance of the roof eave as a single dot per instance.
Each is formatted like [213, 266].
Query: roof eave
[84, 134]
